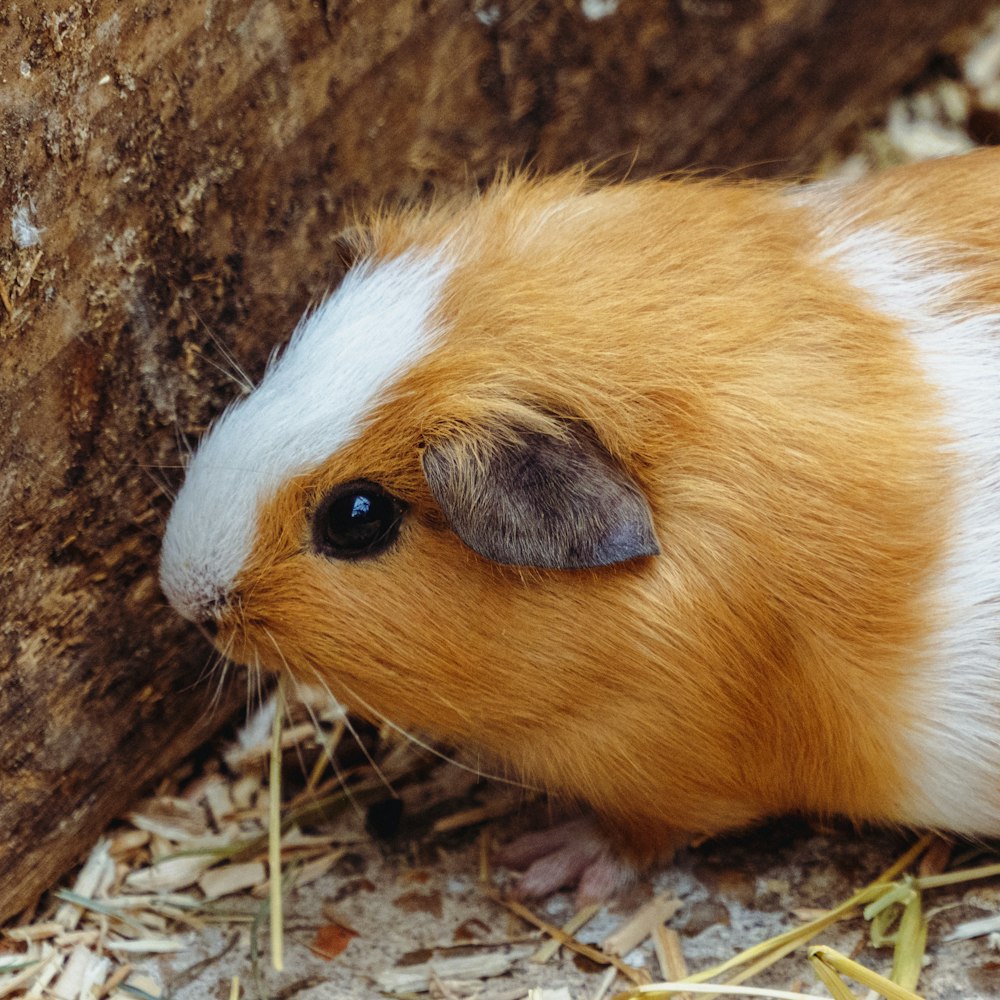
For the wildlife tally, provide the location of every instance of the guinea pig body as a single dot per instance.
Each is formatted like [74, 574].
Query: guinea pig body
[679, 498]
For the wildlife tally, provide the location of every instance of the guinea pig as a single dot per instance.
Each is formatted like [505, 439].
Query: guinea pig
[680, 498]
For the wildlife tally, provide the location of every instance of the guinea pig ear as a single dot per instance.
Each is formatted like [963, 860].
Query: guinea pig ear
[536, 499]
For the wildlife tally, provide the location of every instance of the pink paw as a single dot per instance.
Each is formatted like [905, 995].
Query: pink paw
[571, 854]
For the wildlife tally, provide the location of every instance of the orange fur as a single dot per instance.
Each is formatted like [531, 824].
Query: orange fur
[790, 452]
[953, 202]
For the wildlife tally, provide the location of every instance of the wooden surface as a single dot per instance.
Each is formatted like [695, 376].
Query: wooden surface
[188, 167]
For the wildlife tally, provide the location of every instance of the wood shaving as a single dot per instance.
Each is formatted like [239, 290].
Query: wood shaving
[232, 878]
[145, 884]
[578, 921]
[417, 978]
[670, 956]
[656, 912]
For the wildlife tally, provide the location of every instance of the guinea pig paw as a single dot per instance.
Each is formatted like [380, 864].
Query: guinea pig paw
[540, 844]
[572, 854]
[604, 878]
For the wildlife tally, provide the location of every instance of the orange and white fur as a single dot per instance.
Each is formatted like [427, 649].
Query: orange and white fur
[694, 492]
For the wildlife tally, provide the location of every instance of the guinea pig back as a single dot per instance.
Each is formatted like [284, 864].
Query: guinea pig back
[681, 498]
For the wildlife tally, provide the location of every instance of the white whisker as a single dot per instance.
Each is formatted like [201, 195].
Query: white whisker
[184, 449]
[160, 484]
[429, 748]
[222, 665]
[235, 372]
[236, 377]
[322, 682]
[327, 751]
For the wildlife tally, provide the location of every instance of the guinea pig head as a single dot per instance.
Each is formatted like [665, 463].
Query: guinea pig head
[403, 512]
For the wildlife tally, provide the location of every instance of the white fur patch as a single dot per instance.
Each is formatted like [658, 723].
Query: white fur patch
[313, 399]
[956, 784]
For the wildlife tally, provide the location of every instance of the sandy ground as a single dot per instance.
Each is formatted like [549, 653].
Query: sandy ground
[398, 897]
[411, 902]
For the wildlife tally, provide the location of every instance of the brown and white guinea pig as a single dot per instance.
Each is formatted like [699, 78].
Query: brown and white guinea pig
[679, 498]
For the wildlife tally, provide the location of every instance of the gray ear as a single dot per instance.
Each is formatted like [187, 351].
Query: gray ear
[533, 499]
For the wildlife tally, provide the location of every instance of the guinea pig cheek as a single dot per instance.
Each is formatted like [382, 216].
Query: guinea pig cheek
[308, 616]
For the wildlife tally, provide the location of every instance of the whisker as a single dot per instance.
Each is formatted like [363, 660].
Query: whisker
[277, 649]
[216, 664]
[434, 751]
[215, 699]
[160, 484]
[289, 721]
[207, 671]
[256, 687]
[222, 665]
[371, 760]
[235, 373]
[380, 774]
[209, 667]
[237, 377]
[252, 686]
[184, 449]
[326, 750]
[259, 684]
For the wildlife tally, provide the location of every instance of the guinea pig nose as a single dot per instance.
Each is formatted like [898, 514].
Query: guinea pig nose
[211, 627]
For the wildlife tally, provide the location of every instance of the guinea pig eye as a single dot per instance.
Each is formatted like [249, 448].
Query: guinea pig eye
[356, 520]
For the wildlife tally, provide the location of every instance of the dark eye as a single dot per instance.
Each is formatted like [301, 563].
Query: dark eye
[355, 520]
